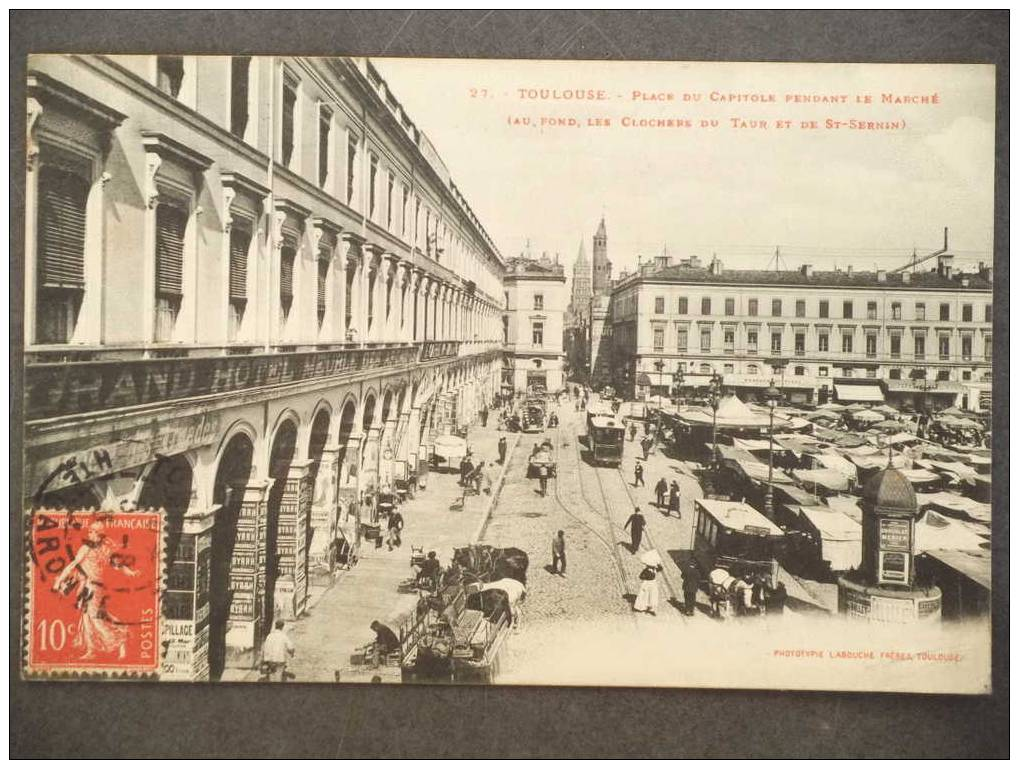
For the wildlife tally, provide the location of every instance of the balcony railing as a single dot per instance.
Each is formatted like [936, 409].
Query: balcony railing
[67, 388]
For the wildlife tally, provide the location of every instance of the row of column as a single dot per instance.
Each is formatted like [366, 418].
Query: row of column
[392, 301]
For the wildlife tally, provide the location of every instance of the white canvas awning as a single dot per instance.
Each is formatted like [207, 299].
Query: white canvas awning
[858, 392]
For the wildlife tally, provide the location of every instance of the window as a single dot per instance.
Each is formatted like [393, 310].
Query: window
[706, 339]
[945, 312]
[847, 372]
[682, 306]
[171, 223]
[871, 309]
[705, 369]
[777, 369]
[659, 339]
[943, 347]
[871, 345]
[895, 374]
[896, 310]
[325, 122]
[967, 347]
[872, 372]
[943, 374]
[729, 341]
[896, 345]
[822, 372]
[801, 308]
[659, 305]
[730, 306]
[921, 311]
[822, 342]
[705, 306]
[681, 339]
[403, 213]
[539, 301]
[287, 255]
[847, 343]
[967, 312]
[752, 369]
[240, 242]
[537, 334]
[919, 343]
[800, 371]
[988, 347]
[776, 307]
[752, 342]
[752, 307]
[240, 67]
[351, 164]
[822, 309]
[776, 343]
[967, 375]
[800, 343]
[389, 202]
[505, 329]
[321, 284]
[287, 127]
[847, 309]
[988, 313]
[373, 176]
[169, 74]
[63, 196]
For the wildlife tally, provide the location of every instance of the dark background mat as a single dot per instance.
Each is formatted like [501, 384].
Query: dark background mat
[116, 720]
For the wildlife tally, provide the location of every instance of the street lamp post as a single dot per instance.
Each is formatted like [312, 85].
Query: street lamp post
[714, 397]
[659, 366]
[772, 395]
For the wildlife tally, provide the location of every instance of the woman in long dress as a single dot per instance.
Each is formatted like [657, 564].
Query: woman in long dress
[99, 631]
[647, 596]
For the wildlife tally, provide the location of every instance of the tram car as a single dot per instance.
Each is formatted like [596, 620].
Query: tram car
[735, 536]
[605, 440]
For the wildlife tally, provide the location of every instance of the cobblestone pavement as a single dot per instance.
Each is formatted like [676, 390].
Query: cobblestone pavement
[339, 616]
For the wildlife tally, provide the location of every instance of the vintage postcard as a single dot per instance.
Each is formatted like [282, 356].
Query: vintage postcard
[508, 372]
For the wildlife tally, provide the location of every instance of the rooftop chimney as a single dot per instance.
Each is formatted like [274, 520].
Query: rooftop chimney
[849, 269]
[905, 278]
[807, 270]
[716, 266]
[945, 265]
[882, 276]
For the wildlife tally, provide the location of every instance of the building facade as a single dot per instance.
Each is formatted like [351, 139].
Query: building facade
[253, 295]
[535, 302]
[916, 339]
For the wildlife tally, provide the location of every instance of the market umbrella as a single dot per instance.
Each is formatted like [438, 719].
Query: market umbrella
[833, 406]
[823, 414]
[891, 425]
[961, 423]
[868, 416]
[886, 410]
[856, 408]
[652, 558]
[447, 446]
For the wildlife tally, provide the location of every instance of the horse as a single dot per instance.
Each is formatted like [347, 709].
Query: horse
[490, 563]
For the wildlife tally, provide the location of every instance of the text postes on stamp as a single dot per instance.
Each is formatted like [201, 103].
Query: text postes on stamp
[94, 589]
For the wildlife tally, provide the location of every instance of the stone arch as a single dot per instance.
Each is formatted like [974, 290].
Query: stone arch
[345, 426]
[168, 484]
[279, 559]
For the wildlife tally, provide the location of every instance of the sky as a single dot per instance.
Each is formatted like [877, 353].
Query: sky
[831, 197]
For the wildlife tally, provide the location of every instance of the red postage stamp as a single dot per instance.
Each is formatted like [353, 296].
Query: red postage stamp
[94, 585]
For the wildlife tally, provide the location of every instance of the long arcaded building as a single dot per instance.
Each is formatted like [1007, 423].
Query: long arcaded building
[253, 294]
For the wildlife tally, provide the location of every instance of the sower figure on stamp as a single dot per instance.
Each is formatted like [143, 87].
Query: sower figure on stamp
[98, 630]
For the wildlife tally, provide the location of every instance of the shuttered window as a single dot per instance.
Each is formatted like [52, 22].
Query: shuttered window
[171, 223]
[287, 256]
[240, 241]
[323, 277]
[61, 233]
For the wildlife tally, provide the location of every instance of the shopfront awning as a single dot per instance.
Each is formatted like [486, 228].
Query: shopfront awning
[858, 392]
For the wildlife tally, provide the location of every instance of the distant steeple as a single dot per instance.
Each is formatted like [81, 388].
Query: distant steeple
[601, 229]
[602, 267]
[581, 256]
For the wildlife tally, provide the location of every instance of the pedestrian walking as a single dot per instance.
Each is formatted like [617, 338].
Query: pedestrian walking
[276, 650]
[647, 596]
[465, 469]
[502, 449]
[484, 417]
[661, 488]
[395, 526]
[645, 445]
[559, 553]
[633, 431]
[635, 523]
[543, 479]
[674, 499]
[691, 582]
[638, 475]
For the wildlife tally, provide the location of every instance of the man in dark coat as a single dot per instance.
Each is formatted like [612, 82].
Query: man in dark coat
[638, 475]
[691, 582]
[395, 526]
[661, 488]
[502, 449]
[559, 553]
[674, 499]
[484, 417]
[635, 523]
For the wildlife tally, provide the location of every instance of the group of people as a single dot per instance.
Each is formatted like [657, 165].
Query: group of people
[474, 476]
[745, 594]
[667, 497]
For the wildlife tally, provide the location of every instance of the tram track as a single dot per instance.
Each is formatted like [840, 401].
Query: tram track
[621, 576]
